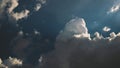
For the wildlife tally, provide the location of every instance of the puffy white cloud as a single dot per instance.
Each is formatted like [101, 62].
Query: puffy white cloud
[13, 61]
[82, 52]
[75, 28]
[97, 36]
[106, 29]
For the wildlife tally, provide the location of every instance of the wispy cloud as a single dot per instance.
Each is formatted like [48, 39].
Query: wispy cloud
[115, 8]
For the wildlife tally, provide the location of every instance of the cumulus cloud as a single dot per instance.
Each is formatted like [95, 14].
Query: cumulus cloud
[106, 29]
[10, 63]
[12, 4]
[82, 52]
[13, 61]
[8, 6]
[22, 14]
[76, 28]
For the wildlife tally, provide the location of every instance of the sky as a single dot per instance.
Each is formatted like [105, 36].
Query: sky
[59, 33]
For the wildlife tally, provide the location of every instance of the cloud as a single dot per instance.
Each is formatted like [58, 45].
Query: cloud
[83, 52]
[37, 7]
[13, 61]
[12, 5]
[23, 14]
[10, 63]
[38, 4]
[2, 65]
[24, 47]
[106, 29]
[8, 6]
[115, 8]
[41, 1]
[76, 28]
[2, 5]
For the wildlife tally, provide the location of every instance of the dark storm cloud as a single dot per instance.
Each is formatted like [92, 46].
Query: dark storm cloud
[83, 51]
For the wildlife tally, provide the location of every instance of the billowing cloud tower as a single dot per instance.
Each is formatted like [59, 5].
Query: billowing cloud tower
[74, 28]
[75, 49]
